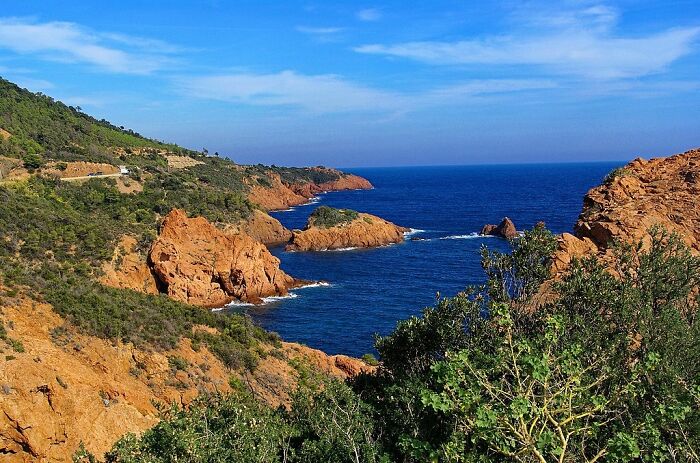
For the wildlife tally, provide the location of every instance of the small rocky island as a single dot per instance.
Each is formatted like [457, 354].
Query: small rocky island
[506, 229]
[328, 228]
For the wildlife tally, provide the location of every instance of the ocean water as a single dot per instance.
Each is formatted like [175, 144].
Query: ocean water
[368, 291]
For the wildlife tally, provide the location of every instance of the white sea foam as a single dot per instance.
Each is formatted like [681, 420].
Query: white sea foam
[312, 200]
[413, 231]
[318, 284]
[470, 236]
[341, 249]
[270, 299]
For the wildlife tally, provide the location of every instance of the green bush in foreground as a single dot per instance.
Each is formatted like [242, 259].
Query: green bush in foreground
[327, 217]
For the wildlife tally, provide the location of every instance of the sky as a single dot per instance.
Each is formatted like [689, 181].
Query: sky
[383, 83]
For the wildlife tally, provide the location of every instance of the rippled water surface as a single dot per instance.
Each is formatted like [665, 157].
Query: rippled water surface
[370, 290]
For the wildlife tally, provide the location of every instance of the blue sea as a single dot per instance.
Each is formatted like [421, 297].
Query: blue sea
[369, 291]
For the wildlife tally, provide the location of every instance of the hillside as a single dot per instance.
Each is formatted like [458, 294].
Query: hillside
[84, 323]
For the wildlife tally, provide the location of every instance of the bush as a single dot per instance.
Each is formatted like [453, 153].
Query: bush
[327, 217]
[32, 161]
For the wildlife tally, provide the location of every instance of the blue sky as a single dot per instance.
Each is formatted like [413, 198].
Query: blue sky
[375, 83]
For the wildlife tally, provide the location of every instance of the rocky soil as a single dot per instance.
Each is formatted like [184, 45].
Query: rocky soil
[66, 388]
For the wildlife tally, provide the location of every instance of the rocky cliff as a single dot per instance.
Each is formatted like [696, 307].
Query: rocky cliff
[278, 195]
[197, 263]
[364, 231]
[661, 191]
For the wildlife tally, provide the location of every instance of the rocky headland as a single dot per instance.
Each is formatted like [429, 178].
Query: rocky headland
[263, 228]
[329, 229]
[277, 194]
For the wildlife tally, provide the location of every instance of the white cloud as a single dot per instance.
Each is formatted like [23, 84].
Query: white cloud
[316, 93]
[333, 94]
[64, 41]
[572, 42]
[319, 30]
[369, 14]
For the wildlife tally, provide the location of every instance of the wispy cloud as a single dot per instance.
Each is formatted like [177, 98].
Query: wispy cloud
[334, 94]
[369, 14]
[319, 30]
[68, 42]
[578, 42]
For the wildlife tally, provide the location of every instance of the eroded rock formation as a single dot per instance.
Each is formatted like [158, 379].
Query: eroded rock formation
[365, 231]
[661, 192]
[199, 264]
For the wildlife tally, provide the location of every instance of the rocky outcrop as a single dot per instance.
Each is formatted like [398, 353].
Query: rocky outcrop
[365, 231]
[262, 227]
[65, 388]
[661, 192]
[199, 264]
[506, 229]
[278, 195]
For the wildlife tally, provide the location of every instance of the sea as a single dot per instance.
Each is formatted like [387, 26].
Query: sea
[364, 292]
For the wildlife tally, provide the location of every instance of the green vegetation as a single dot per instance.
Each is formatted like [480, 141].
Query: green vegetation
[613, 174]
[13, 343]
[42, 126]
[55, 237]
[607, 370]
[327, 217]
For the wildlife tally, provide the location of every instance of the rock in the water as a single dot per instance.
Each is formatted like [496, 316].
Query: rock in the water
[363, 231]
[506, 229]
[199, 264]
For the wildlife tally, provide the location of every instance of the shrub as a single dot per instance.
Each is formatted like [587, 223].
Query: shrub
[327, 217]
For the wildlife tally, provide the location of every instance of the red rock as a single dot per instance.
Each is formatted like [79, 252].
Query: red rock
[506, 229]
[366, 231]
[199, 264]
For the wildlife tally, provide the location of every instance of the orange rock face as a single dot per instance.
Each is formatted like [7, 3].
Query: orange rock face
[366, 231]
[128, 269]
[199, 264]
[663, 191]
[506, 229]
[261, 227]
